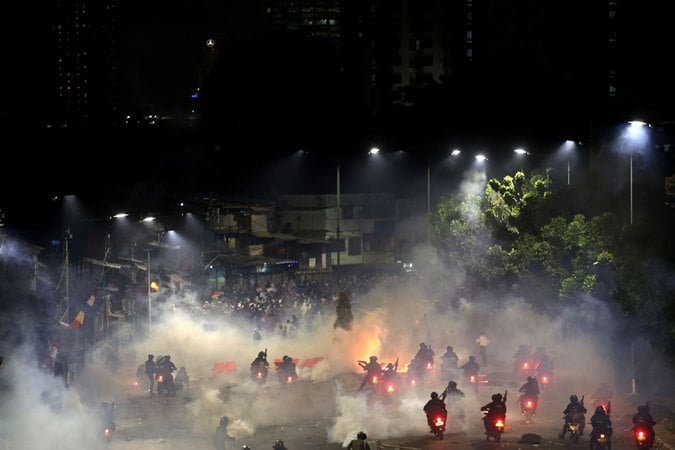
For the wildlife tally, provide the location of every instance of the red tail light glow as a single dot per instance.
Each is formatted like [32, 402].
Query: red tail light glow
[390, 388]
[529, 404]
[429, 366]
[258, 375]
[472, 379]
[641, 435]
[160, 379]
[439, 422]
[289, 380]
[544, 379]
[375, 380]
[499, 423]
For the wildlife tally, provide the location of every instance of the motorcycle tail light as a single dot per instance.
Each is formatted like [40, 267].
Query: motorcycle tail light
[602, 438]
[472, 379]
[439, 422]
[413, 382]
[390, 388]
[529, 404]
[526, 366]
[544, 380]
[499, 423]
[429, 366]
[106, 433]
[258, 375]
[289, 380]
[160, 379]
[375, 380]
[135, 383]
[641, 435]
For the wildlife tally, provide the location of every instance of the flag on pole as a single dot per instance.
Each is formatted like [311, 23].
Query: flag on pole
[78, 320]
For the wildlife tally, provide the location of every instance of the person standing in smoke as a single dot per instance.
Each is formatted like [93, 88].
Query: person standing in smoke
[150, 369]
[343, 310]
[483, 343]
[220, 436]
[359, 443]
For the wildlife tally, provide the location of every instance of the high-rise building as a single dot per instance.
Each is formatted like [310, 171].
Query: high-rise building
[85, 56]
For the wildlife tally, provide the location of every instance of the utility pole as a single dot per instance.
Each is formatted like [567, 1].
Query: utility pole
[338, 207]
[149, 290]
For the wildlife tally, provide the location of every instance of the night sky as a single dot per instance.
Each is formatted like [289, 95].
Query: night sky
[282, 95]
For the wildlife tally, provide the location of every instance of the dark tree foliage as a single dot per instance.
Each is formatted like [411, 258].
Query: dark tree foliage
[343, 310]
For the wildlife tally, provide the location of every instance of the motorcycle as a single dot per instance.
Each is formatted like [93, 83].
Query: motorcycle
[526, 367]
[108, 432]
[545, 379]
[163, 384]
[643, 437]
[495, 427]
[574, 426]
[437, 426]
[528, 406]
[287, 377]
[259, 373]
[600, 441]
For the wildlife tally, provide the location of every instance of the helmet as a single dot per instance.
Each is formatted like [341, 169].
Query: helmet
[472, 358]
[390, 366]
[373, 358]
[361, 435]
[434, 395]
[151, 356]
[574, 398]
[496, 397]
[449, 348]
[530, 379]
[278, 444]
[224, 420]
[452, 384]
[600, 410]
[261, 354]
[423, 345]
[287, 358]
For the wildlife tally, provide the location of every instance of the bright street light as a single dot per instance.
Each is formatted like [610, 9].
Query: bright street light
[521, 152]
[374, 151]
[636, 135]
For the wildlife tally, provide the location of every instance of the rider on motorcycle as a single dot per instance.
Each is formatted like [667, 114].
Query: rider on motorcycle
[470, 368]
[390, 373]
[644, 419]
[495, 409]
[530, 390]
[286, 368]
[372, 368]
[601, 424]
[575, 409]
[260, 363]
[602, 395]
[107, 415]
[452, 391]
[450, 360]
[165, 367]
[434, 407]
[522, 355]
[425, 355]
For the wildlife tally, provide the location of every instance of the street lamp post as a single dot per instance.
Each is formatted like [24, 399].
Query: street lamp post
[337, 213]
[149, 292]
[635, 135]
[521, 152]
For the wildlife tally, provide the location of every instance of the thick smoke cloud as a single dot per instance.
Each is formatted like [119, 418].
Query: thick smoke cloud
[390, 321]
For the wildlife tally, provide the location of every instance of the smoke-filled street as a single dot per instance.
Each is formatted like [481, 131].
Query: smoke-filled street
[323, 408]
